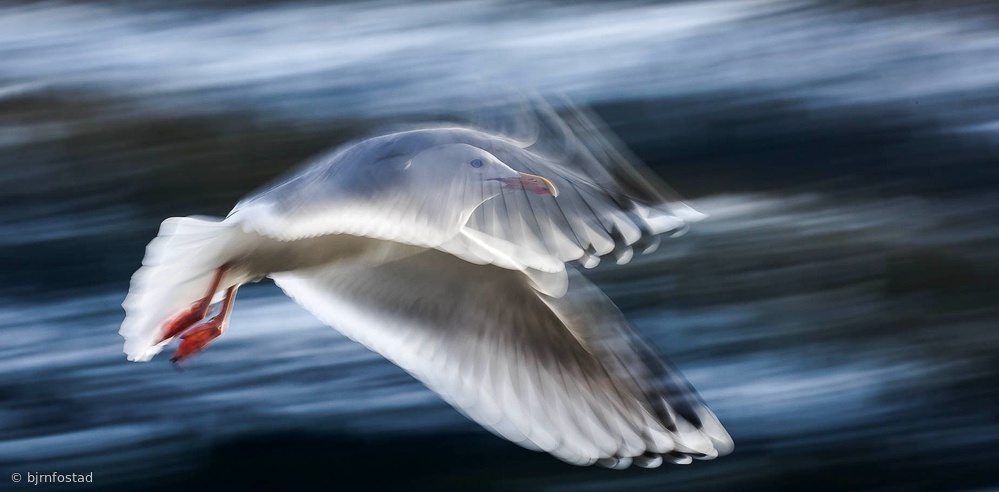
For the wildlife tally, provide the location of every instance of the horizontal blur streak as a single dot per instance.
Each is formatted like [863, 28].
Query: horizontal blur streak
[837, 309]
[312, 60]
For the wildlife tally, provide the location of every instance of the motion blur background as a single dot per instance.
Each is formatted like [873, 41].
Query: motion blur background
[837, 311]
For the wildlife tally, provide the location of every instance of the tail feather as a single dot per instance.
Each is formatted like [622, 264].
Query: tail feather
[176, 271]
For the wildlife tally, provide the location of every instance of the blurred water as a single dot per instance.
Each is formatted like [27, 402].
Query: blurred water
[322, 60]
[837, 310]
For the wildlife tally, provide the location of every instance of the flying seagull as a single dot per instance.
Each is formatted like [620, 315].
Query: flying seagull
[453, 252]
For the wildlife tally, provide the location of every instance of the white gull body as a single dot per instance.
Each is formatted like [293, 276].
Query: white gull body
[430, 247]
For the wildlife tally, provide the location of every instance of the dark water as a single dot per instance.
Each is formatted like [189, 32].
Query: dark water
[837, 311]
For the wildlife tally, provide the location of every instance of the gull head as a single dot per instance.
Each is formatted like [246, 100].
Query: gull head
[473, 172]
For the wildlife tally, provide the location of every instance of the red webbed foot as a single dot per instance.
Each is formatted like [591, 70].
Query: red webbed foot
[198, 338]
[197, 312]
[183, 321]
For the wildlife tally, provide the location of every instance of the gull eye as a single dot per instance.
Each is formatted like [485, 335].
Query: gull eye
[475, 163]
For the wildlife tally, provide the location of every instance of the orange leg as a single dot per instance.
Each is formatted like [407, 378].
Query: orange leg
[196, 339]
[181, 322]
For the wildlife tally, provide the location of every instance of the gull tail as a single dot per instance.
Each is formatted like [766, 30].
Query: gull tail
[176, 272]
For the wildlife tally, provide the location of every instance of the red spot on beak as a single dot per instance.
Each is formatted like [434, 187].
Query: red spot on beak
[531, 182]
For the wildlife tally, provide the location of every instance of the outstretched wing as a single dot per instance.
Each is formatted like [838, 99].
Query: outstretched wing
[609, 203]
[564, 375]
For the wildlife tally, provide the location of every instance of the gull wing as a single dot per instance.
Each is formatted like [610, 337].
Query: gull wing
[563, 375]
[609, 203]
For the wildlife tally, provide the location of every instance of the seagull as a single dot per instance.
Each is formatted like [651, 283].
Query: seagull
[454, 252]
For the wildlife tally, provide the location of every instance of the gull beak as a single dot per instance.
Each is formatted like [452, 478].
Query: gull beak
[530, 182]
